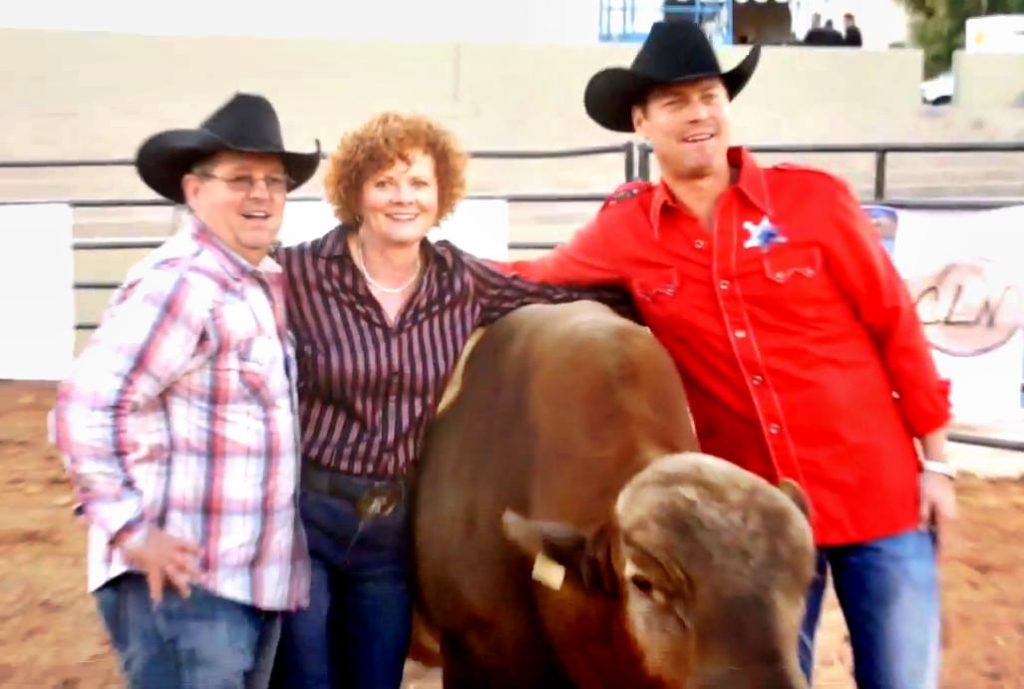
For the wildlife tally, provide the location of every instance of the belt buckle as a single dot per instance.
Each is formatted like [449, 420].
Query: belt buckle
[378, 501]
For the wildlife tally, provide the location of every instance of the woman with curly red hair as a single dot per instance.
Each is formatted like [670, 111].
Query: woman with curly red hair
[380, 316]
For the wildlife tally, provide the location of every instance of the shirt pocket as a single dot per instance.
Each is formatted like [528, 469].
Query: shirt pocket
[657, 286]
[250, 370]
[793, 280]
[793, 266]
[258, 360]
[656, 294]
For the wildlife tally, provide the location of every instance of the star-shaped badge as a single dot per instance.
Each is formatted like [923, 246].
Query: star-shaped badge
[763, 234]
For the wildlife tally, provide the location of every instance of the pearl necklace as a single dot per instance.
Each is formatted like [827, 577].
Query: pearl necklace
[361, 264]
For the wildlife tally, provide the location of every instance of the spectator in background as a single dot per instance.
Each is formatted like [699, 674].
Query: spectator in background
[852, 37]
[822, 35]
[816, 34]
[832, 36]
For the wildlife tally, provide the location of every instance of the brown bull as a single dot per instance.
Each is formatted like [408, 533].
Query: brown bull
[568, 534]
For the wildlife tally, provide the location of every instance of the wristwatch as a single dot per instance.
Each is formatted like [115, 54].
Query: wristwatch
[936, 467]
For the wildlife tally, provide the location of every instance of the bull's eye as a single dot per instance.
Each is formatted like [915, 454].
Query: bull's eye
[642, 584]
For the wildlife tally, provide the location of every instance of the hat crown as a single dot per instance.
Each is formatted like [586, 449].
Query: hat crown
[673, 53]
[246, 122]
[676, 50]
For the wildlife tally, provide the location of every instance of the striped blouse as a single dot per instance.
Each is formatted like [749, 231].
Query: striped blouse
[367, 388]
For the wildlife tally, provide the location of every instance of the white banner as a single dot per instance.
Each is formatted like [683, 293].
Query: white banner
[479, 226]
[965, 270]
[37, 310]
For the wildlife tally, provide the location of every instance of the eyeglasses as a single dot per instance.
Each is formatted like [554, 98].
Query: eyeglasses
[244, 184]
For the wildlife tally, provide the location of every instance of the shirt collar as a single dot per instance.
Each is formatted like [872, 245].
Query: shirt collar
[234, 265]
[335, 245]
[662, 195]
[750, 182]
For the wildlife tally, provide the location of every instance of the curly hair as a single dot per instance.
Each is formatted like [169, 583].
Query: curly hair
[380, 143]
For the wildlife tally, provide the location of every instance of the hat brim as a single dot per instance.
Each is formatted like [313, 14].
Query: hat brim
[611, 93]
[164, 158]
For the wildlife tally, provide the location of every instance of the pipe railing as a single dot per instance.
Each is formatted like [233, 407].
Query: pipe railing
[636, 158]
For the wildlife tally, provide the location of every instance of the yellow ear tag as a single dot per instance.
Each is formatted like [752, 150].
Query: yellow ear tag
[548, 572]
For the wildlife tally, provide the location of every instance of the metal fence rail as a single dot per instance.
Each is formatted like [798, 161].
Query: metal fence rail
[636, 159]
[880, 151]
[636, 162]
[987, 441]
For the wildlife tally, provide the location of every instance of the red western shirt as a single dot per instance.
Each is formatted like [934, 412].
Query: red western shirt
[798, 345]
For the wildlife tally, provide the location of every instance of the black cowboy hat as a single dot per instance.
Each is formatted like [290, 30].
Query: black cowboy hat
[673, 53]
[246, 124]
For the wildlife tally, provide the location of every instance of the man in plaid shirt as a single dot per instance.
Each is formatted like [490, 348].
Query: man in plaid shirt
[178, 423]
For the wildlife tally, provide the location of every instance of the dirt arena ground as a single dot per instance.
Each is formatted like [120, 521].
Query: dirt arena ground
[50, 636]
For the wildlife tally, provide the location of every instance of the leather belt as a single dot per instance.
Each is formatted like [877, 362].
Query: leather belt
[371, 497]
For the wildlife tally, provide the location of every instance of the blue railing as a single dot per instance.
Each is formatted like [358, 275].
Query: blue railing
[628, 21]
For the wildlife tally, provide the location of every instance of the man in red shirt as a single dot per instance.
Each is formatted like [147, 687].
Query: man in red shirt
[798, 344]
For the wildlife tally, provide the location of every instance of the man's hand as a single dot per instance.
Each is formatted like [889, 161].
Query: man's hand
[938, 501]
[164, 558]
[938, 496]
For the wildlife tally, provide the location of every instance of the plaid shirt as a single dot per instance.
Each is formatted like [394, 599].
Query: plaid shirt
[181, 414]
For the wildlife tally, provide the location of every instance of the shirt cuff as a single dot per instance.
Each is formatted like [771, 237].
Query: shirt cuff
[131, 534]
[119, 519]
[927, 413]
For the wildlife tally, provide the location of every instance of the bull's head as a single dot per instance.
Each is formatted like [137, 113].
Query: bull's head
[711, 565]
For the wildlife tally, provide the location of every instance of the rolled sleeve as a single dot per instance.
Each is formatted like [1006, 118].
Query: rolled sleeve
[879, 297]
[144, 343]
[499, 293]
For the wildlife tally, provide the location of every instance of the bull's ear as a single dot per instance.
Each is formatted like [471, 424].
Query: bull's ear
[795, 493]
[559, 551]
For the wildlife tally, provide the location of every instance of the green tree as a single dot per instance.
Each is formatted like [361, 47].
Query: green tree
[937, 26]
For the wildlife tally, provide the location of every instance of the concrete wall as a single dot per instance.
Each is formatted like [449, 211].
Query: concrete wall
[989, 80]
[92, 94]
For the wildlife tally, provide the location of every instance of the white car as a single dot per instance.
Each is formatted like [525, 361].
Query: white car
[938, 90]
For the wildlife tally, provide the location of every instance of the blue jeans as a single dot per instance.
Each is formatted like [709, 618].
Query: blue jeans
[200, 642]
[355, 633]
[889, 592]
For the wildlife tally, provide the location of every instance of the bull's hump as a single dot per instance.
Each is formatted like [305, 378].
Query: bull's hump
[582, 323]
